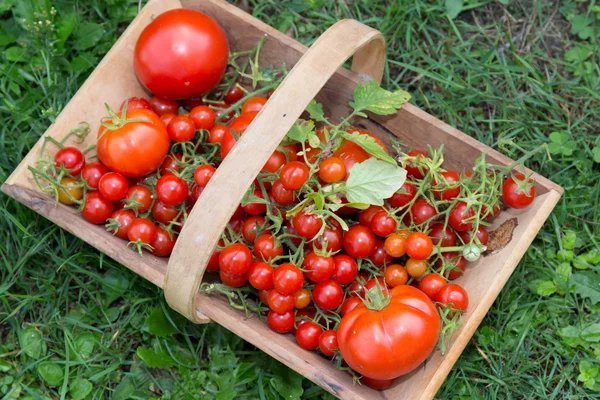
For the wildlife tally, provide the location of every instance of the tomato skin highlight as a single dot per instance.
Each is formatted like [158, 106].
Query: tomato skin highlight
[71, 158]
[418, 246]
[328, 342]
[410, 317]
[431, 284]
[453, 294]
[359, 241]
[125, 218]
[203, 117]
[328, 295]
[171, 190]
[92, 173]
[281, 323]
[177, 38]
[346, 269]
[318, 268]
[163, 243]
[143, 230]
[235, 259]
[260, 276]
[307, 335]
[288, 279]
[163, 107]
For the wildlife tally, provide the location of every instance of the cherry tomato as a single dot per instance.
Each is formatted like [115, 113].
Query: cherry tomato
[142, 230]
[380, 257]
[328, 295]
[71, 159]
[395, 275]
[166, 118]
[235, 94]
[359, 241]
[447, 236]
[394, 245]
[293, 175]
[123, 219]
[418, 246]
[163, 243]
[260, 276]
[135, 148]
[220, 109]
[263, 295]
[250, 226]
[171, 190]
[213, 262]
[135, 103]
[92, 173]
[455, 295]
[431, 284]
[239, 126]
[167, 57]
[460, 218]
[216, 134]
[416, 268]
[357, 287]
[301, 298]
[233, 280]
[162, 106]
[203, 117]
[266, 247]
[282, 195]
[170, 164]
[318, 268]
[349, 304]
[454, 264]
[481, 235]
[307, 335]
[193, 102]
[402, 197]
[515, 197]
[422, 212]
[254, 104]
[373, 283]
[328, 343]
[255, 208]
[366, 216]
[69, 193]
[490, 213]
[307, 225]
[141, 196]
[163, 213]
[280, 303]
[331, 238]
[332, 169]
[280, 323]
[450, 189]
[302, 317]
[235, 259]
[377, 384]
[181, 129]
[346, 269]
[203, 174]
[351, 153]
[412, 168]
[113, 186]
[382, 224]
[276, 161]
[288, 279]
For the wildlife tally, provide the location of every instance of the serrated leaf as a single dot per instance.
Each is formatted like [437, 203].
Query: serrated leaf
[301, 131]
[568, 240]
[51, 373]
[32, 343]
[454, 7]
[315, 110]
[155, 359]
[579, 53]
[587, 285]
[80, 388]
[372, 97]
[582, 26]
[373, 181]
[370, 145]
[88, 35]
[288, 384]
[546, 288]
[157, 324]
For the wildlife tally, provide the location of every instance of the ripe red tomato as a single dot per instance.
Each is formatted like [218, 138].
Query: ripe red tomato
[481, 235]
[455, 264]
[346, 269]
[92, 173]
[213, 262]
[280, 303]
[332, 169]
[307, 335]
[203, 174]
[140, 197]
[307, 225]
[123, 219]
[260, 276]
[163, 243]
[255, 208]
[281, 323]
[254, 104]
[515, 195]
[455, 295]
[166, 118]
[416, 268]
[301, 298]
[412, 169]
[359, 241]
[235, 94]
[282, 195]
[395, 275]
[460, 218]
[318, 268]
[135, 148]
[349, 304]
[163, 213]
[71, 159]
[431, 284]
[402, 197]
[331, 238]
[113, 186]
[171, 164]
[380, 257]
[135, 103]
[162, 106]
[302, 317]
[142, 230]
[410, 317]
[450, 189]
[167, 57]
[181, 129]
[250, 227]
[382, 224]
[288, 279]
[266, 247]
[216, 134]
[220, 109]
[374, 282]
[328, 343]
[351, 153]
[293, 175]
[418, 246]
[239, 126]
[96, 209]
[422, 212]
[204, 117]
[171, 190]
[235, 259]
[366, 216]
[377, 384]
[328, 295]
[394, 245]
[233, 280]
[447, 236]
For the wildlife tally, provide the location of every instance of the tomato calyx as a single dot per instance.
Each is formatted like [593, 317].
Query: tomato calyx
[116, 121]
[451, 321]
[377, 298]
[237, 297]
[139, 246]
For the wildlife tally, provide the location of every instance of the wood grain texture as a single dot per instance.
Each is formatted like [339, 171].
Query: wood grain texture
[225, 191]
[113, 80]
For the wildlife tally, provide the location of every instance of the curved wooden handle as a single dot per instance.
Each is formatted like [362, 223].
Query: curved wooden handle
[223, 194]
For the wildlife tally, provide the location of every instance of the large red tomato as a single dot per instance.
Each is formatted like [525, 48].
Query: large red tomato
[393, 341]
[181, 54]
[239, 125]
[351, 153]
[134, 148]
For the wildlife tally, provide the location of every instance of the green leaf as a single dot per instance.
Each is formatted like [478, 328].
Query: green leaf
[315, 110]
[288, 384]
[359, 206]
[591, 333]
[155, 360]
[124, 390]
[373, 181]
[318, 199]
[370, 145]
[582, 26]
[571, 335]
[579, 53]
[372, 97]
[301, 130]
[24, 10]
[5, 37]
[15, 54]
[157, 324]
[564, 270]
[453, 8]
[5, 366]
[568, 240]
[64, 29]
[596, 153]
[546, 288]
[587, 285]
[116, 285]
[51, 372]
[32, 343]
[88, 35]
[80, 388]
[85, 344]
[6, 5]
[83, 62]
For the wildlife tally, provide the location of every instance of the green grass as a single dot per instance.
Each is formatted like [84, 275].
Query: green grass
[74, 322]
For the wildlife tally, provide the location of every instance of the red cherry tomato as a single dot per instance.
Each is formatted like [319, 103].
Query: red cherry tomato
[307, 335]
[402, 197]
[142, 230]
[346, 269]
[288, 279]
[328, 343]
[113, 186]
[166, 118]
[412, 168]
[332, 169]
[171, 164]
[162, 106]
[447, 236]
[216, 134]
[515, 197]
[366, 216]
[301, 298]
[181, 129]
[331, 238]
[163, 213]
[233, 280]
[349, 304]
[382, 224]
[92, 173]
[394, 245]
[418, 246]
[136, 103]
[203, 174]
[163, 243]
[239, 126]
[255, 208]
[282, 195]
[293, 175]
[328, 295]
[203, 117]
[220, 110]
[124, 218]
[431, 284]
[359, 241]
[461, 218]
[422, 212]
[235, 259]
[450, 188]
[481, 235]
[455, 295]
[380, 257]
[141, 196]
[171, 190]
[280, 303]
[250, 227]
[307, 225]
[377, 384]
[455, 265]
[318, 268]
[266, 247]
[254, 104]
[395, 275]
[213, 262]
[235, 94]
[71, 159]
[280, 323]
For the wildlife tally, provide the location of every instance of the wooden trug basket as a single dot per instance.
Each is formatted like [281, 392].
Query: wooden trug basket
[315, 71]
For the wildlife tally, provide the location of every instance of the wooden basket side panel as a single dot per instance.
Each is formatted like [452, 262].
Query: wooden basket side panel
[112, 81]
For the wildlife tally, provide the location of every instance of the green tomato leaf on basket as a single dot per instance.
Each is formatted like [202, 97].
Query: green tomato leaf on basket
[315, 110]
[369, 144]
[372, 97]
[373, 181]
[301, 131]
